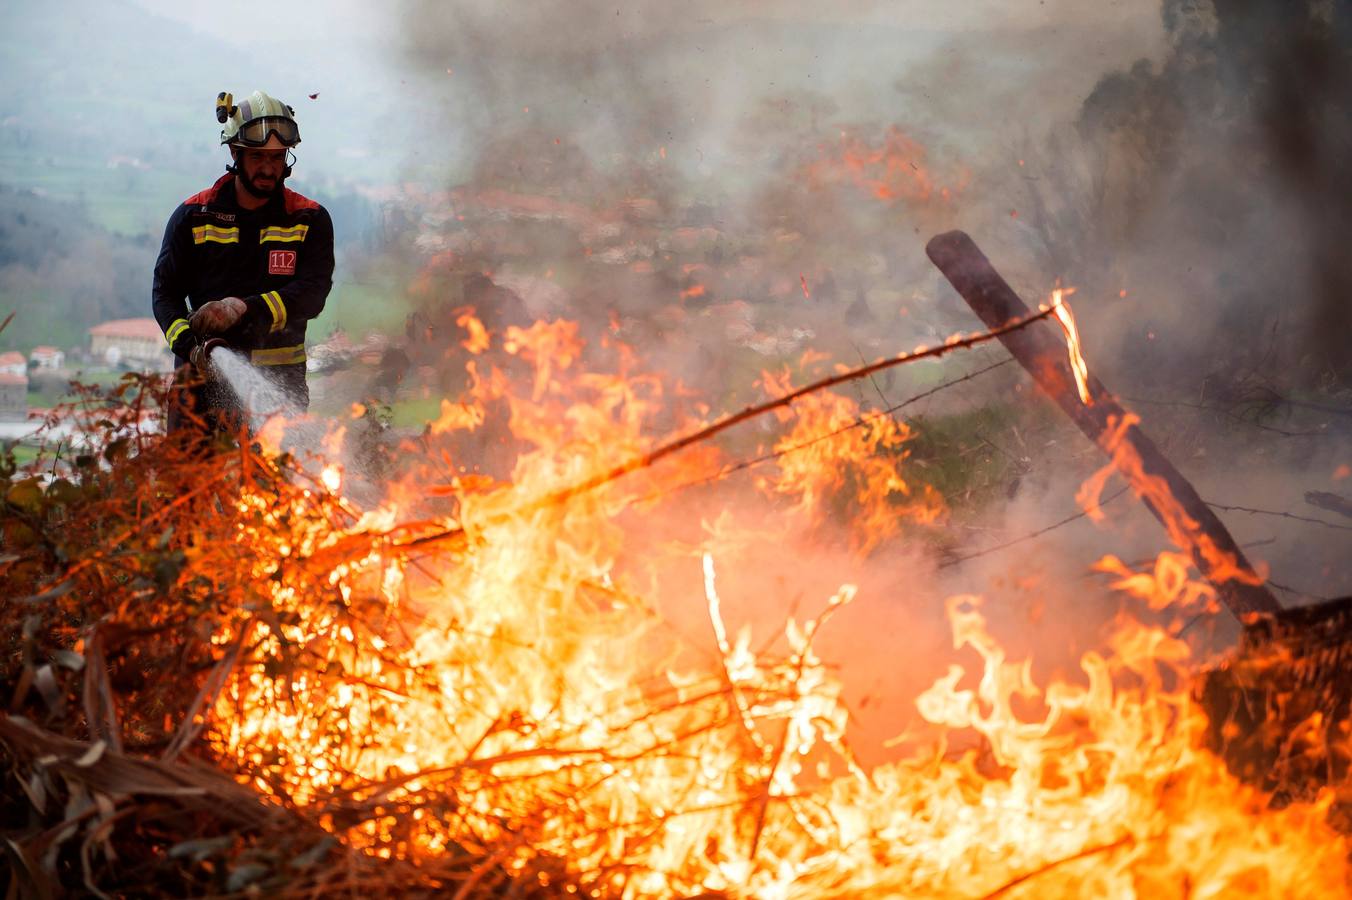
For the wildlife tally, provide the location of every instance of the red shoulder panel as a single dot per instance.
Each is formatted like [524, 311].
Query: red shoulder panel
[209, 194]
[296, 202]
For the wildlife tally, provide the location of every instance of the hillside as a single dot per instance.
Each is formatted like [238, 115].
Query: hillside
[61, 273]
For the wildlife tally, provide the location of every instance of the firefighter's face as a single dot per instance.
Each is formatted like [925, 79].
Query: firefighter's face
[263, 168]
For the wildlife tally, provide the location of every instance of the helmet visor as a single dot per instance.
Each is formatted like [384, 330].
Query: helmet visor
[255, 133]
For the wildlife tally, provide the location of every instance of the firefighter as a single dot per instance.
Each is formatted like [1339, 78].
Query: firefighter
[246, 262]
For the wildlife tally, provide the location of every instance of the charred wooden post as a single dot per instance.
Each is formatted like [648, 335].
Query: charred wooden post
[1168, 495]
[1280, 708]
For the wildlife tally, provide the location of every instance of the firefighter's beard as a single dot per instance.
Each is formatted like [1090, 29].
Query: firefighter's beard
[252, 186]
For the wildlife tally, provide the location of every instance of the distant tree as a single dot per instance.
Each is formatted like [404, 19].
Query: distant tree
[1242, 129]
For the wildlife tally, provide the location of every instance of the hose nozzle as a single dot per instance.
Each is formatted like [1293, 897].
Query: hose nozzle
[201, 356]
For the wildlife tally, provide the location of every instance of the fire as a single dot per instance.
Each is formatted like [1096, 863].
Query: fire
[830, 445]
[521, 696]
[1077, 363]
[477, 340]
[1184, 531]
[895, 170]
[332, 478]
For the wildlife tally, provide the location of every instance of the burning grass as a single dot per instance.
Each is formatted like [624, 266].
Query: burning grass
[224, 676]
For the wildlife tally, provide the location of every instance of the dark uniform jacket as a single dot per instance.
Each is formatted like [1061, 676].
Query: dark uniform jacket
[278, 259]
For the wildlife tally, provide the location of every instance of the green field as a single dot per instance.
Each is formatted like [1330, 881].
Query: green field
[36, 322]
[358, 307]
[124, 200]
[415, 413]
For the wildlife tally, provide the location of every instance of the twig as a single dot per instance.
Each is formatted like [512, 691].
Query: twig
[751, 412]
[486, 866]
[1299, 593]
[877, 387]
[1228, 414]
[800, 662]
[1282, 515]
[1309, 404]
[189, 728]
[793, 448]
[953, 561]
[1083, 854]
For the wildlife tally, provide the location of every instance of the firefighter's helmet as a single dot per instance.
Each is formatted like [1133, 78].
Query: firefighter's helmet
[258, 121]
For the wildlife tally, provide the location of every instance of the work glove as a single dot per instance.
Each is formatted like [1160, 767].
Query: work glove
[217, 316]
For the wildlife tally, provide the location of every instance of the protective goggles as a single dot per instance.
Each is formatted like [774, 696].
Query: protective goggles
[256, 132]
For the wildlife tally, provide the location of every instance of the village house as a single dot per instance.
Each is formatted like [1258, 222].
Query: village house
[46, 358]
[13, 397]
[130, 343]
[13, 363]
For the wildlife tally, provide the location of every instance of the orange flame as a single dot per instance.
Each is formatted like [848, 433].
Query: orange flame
[1184, 531]
[894, 171]
[477, 340]
[523, 696]
[1077, 363]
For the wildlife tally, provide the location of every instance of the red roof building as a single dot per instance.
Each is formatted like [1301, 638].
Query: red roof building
[13, 363]
[133, 343]
[47, 357]
[143, 329]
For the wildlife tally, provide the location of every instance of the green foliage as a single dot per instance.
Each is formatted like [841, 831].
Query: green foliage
[359, 307]
[415, 413]
[971, 457]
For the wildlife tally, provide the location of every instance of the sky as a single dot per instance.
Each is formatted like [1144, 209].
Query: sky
[306, 21]
[390, 55]
[353, 20]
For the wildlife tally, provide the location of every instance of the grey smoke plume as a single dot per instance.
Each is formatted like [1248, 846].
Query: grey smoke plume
[676, 175]
[1168, 160]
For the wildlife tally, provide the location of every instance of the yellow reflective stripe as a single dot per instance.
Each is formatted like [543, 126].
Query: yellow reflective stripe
[278, 356]
[278, 309]
[283, 235]
[203, 233]
[176, 328]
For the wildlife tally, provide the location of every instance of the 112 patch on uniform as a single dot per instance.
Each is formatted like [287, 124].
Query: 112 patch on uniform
[281, 262]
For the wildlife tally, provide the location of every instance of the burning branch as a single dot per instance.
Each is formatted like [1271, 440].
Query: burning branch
[1162, 488]
[956, 342]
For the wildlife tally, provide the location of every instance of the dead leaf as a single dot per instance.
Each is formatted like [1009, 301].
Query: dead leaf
[44, 679]
[92, 755]
[60, 590]
[245, 875]
[69, 659]
[36, 789]
[201, 848]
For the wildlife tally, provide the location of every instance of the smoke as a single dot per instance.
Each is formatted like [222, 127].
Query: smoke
[717, 178]
[1210, 181]
[727, 188]
[1199, 205]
